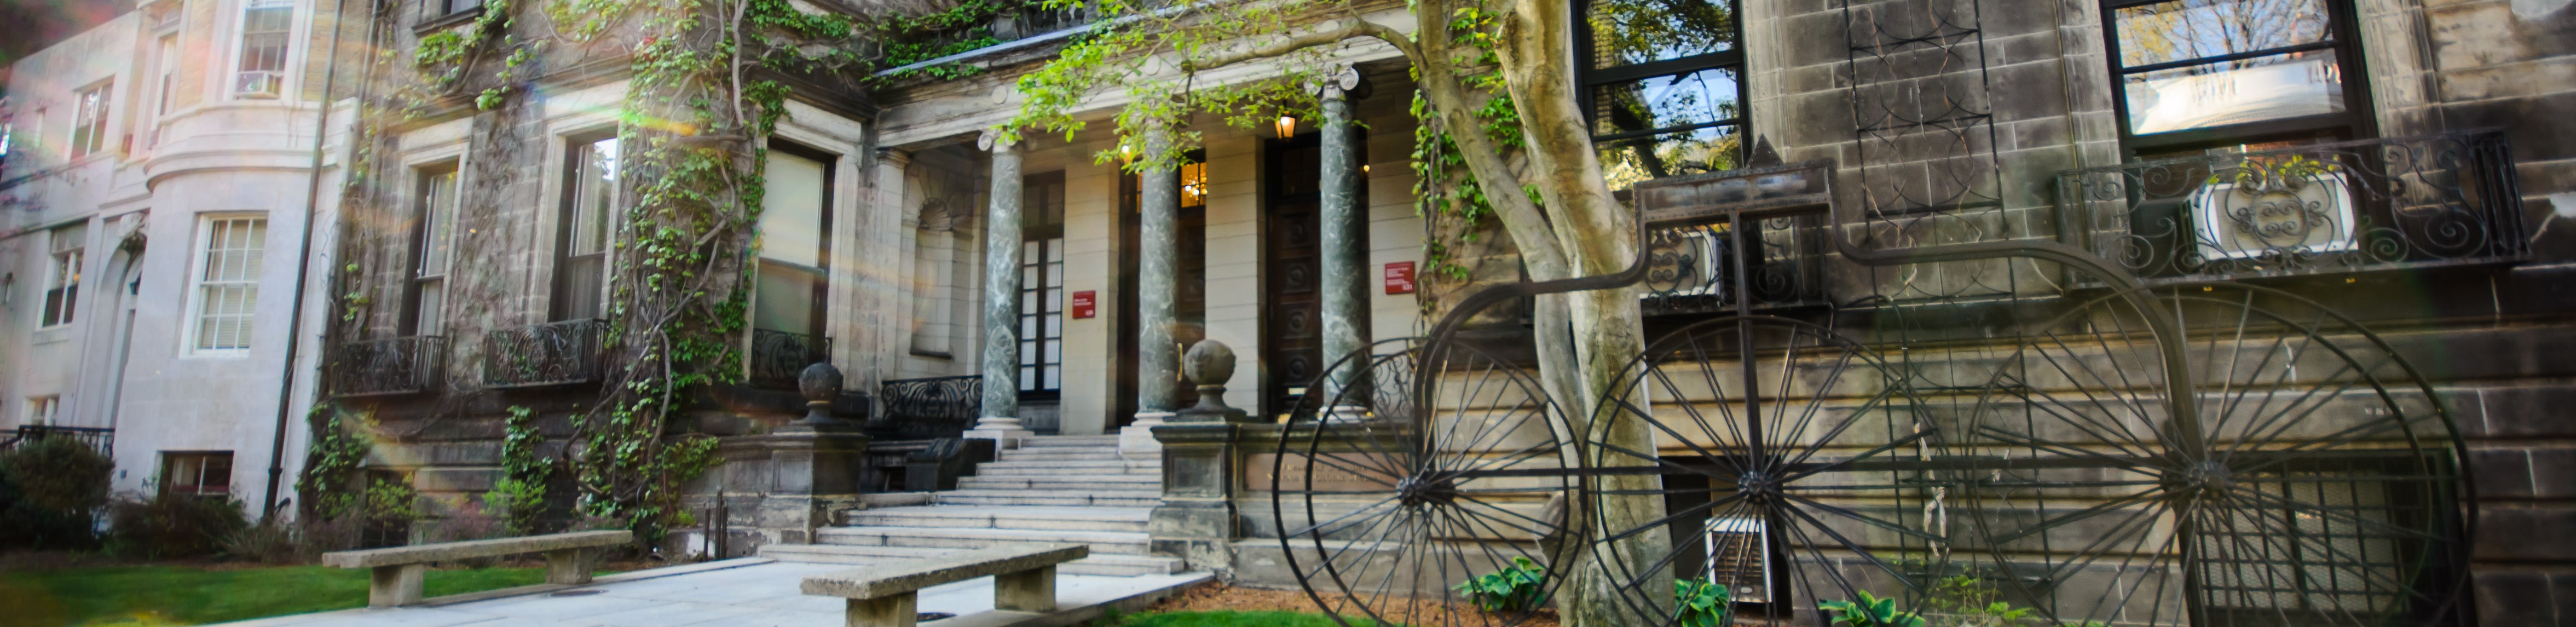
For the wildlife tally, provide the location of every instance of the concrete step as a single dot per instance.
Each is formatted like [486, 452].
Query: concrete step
[1114, 565]
[1102, 542]
[1105, 498]
[1071, 441]
[1059, 454]
[1052, 467]
[1070, 481]
[1121, 519]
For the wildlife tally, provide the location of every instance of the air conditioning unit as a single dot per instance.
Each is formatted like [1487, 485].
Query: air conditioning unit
[258, 84]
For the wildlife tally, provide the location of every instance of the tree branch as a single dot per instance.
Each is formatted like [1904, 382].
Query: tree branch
[1343, 30]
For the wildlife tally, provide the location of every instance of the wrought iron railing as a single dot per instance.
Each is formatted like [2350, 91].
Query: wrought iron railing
[554, 353]
[778, 356]
[102, 439]
[1691, 269]
[2321, 208]
[402, 365]
[936, 407]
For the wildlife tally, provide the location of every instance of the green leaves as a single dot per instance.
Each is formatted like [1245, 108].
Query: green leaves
[1701, 603]
[1871, 611]
[1517, 588]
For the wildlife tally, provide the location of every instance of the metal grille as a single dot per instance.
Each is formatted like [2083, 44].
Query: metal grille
[554, 353]
[935, 407]
[402, 365]
[777, 357]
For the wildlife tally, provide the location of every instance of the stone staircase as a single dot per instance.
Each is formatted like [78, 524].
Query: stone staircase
[1051, 489]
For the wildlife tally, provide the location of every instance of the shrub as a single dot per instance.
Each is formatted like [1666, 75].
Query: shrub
[50, 493]
[1699, 603]
[175, 525]
[266, 543]
[1871, 611]
[1967, 601]
[1515, 588]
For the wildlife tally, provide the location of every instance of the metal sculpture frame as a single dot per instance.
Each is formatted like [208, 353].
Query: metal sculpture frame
[1943, 458]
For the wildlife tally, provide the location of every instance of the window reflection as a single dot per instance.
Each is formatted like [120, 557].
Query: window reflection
[2188, 64]
[1665, 102]
[1628, 32]
[1626, 162]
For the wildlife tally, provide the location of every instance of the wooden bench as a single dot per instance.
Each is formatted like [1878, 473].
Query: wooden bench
[883, 596]
[399, 570]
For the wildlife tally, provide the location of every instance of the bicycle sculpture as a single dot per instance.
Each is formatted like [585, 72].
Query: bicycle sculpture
[2191, 454]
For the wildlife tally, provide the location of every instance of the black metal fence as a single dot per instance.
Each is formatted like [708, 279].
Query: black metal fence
[402, 365]
[1691, 269]
[778, 356]
[554, 353]
[935, 407]
[102, 439]
[2404, 202]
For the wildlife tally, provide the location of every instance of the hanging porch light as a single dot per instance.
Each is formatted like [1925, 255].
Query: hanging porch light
[1287, 125]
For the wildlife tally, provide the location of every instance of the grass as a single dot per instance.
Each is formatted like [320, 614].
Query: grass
[180, 595]
[1234, 619]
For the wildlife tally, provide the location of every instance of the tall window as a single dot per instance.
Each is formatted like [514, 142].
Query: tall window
[450, 7]
[1042, 284]
[268, 28]
[794, 251]
[230, 250]
[89, 121]
[62, 282]
[2230, 71]
[1664, 85]
[434, 237]
[167, 65]
[42, 410]
[590, 199]
[197, 473]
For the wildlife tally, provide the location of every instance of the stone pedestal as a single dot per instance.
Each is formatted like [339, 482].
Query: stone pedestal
[1197, 520]
[778, 487]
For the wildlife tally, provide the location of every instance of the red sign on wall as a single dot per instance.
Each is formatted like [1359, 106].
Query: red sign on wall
[1399, 277]
[1085, 304]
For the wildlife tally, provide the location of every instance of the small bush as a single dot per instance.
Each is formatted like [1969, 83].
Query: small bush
[50, 494]
[174, 525]
[1516, 588]
[1699, 603]
[265, 543]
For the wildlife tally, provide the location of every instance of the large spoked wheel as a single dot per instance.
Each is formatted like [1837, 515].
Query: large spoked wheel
[1423, 487]
[1770, 456]
[2314, 481]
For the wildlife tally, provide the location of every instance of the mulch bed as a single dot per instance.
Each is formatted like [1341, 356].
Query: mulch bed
[1219, 597]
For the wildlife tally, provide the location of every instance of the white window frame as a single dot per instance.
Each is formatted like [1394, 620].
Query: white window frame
[92, 108]
[57, 265]
[42, 410]
[241, 50]
[197, 253]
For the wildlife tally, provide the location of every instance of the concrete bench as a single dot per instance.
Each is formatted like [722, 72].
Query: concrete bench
[400, 570]
[883, 596]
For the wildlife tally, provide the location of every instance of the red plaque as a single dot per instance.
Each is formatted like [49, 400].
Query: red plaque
[1084, 304]
[1399, 277]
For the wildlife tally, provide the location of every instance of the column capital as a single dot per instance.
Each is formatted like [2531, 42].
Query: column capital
[991, 139]
[1339, 81]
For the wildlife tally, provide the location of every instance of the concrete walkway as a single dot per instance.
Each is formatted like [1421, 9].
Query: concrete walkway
[748, 592]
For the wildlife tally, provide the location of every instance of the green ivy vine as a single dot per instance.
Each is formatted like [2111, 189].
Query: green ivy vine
[1444, 192]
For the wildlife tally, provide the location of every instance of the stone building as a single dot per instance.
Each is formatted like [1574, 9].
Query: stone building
[194, 125]
[1071, 287]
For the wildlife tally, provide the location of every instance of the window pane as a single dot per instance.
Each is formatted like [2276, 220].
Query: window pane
[791, 215]
[1626, 32]
[2192, 29]
[433, 301]
[2234, 92]
[1054, 378]
[1055, 251]
[1625, 162]
[266, 26]
[1662, 102]
[783, 299]
[594, 198]
[438, 218]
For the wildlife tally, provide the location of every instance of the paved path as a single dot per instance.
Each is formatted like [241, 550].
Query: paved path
[756, 593]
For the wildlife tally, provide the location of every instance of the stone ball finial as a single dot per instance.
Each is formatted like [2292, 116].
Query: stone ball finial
[1208, 362]
[819, 382]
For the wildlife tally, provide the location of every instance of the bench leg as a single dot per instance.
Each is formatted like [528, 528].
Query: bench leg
[390, 586]
[1031, 590]
[568, 566]
[893, 611]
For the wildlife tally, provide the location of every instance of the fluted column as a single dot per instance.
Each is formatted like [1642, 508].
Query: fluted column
[1001, 410]
[1343, 229]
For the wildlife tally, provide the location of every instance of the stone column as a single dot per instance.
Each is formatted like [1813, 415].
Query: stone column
[1157, 267]
[1344, 228]
[1001, 410]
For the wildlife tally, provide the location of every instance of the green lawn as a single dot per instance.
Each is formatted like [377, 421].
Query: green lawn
[1232, 619]
[178, 595]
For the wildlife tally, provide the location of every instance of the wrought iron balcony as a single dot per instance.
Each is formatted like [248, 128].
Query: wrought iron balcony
[778, 356]
[402, 365]
[936, 407]
[537, 355]
[101, 439]
[2409, 202]
[1691, 269]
